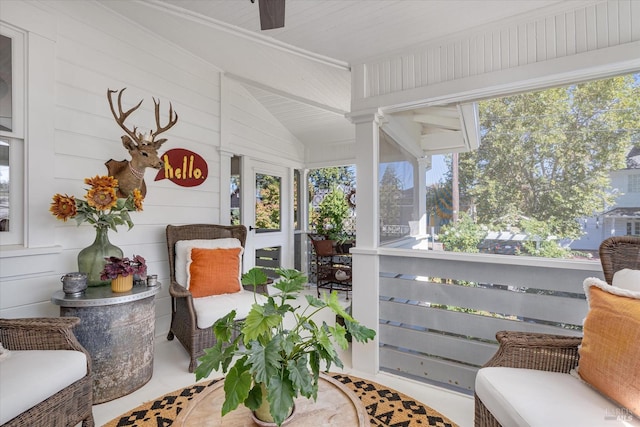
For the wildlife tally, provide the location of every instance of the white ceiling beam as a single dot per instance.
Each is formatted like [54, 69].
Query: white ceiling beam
[437, 121]
[443, 142]
[284, 94]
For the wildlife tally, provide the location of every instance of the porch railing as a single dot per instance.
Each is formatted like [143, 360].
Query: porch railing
[439, 312]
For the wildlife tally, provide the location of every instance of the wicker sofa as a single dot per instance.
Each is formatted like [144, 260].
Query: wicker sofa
[536, 388]
[46, 378]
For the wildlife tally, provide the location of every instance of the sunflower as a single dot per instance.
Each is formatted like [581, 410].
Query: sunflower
[63, 207]
[102, 198]
[137, 199]
[102, 181]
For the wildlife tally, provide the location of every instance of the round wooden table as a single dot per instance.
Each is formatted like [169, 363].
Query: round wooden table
[336, 406]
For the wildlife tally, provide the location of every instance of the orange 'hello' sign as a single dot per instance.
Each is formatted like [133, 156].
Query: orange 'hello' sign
[183, 167]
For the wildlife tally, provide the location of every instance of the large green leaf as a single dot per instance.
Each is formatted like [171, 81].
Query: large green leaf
[254, 277]
[300, 378]
[292, 280]
[254, 399]
[264, 361]
[339, 335]
[335, 305]
[223, 327]
[314, 364]
[315, 302]
[280, 396]
[236, 388]
[210, 361]
[260, 322]
[359, 332]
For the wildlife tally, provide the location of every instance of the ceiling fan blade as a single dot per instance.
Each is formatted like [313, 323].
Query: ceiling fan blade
[271, 14]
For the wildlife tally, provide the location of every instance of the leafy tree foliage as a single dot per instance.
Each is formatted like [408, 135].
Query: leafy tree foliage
[462, 236]
[326, 178]
[547, 155]
[332, 212]
[390, 195]
[328, 215]
[268, 202]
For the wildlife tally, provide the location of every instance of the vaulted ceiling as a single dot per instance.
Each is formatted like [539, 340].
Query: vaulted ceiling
[301, 72]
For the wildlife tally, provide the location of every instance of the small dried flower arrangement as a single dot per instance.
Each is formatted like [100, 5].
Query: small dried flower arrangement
[102, 208]
[123, 267]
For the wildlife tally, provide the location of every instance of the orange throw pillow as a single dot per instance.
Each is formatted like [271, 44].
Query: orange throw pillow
[214, 271]
[610, 350]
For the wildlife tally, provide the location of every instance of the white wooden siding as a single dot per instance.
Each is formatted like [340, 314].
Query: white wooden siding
[249, 129]
[94, 50]
[496, 49]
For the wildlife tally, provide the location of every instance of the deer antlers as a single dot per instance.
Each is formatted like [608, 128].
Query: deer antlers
[121, 116]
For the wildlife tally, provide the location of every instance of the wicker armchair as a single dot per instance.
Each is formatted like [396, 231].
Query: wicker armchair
[69, 406]
[555, 353]
[617, 253]
[184, 323]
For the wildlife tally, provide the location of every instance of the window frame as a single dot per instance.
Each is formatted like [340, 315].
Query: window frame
[15, 137]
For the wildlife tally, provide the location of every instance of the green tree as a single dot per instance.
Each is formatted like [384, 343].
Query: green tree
[332, 212]
[268, 202]
[462, 236]
[547, 155]
[390, 195]
[320, 183]
[541, 241]
[326, 178]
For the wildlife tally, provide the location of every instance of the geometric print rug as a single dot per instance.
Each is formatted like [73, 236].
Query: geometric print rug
[386, 407]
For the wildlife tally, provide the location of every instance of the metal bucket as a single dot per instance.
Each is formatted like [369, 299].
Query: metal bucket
[74, 284]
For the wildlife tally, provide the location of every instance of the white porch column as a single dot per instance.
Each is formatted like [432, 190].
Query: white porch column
[303, 218]
[225, 185]
[420, 181]
[365, 304]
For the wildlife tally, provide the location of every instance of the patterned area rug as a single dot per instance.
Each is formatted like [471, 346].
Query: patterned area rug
[385, 406]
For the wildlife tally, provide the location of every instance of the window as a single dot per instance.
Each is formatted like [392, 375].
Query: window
[550, 164]
[268, 203]
[11, 136]
[331, 196]
[235, 190]
[633, 183]
[397, 190]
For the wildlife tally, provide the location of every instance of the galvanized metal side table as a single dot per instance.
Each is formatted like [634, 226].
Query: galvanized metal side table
[117, 329]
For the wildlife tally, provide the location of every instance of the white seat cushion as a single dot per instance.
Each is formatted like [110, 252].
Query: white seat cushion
[210, 309]
[531, 398]
[32, 376]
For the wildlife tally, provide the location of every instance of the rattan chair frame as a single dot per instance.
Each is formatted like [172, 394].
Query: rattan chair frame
[184, 324]
[555, 353]
[69, 406]
[619, 252]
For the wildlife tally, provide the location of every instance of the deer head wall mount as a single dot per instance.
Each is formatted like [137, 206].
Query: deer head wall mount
[143, 148]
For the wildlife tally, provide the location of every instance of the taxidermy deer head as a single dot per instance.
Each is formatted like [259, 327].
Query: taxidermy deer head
[142, 148]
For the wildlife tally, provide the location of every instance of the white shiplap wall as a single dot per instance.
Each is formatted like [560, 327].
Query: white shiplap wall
[249, 129]
[95, 50]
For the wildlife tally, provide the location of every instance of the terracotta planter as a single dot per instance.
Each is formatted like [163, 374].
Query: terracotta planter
[324, 247]
[122, 283]
[262, 415]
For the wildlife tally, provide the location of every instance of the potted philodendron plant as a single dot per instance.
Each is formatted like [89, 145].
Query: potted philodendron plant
[274, 360]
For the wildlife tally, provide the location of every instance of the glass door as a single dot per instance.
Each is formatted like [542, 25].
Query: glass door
[268, 218]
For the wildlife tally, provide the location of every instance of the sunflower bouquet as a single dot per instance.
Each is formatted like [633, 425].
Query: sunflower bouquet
[101, 207]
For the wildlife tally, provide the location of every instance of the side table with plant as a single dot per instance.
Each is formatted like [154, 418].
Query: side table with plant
[273, 360]
[105, 211]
